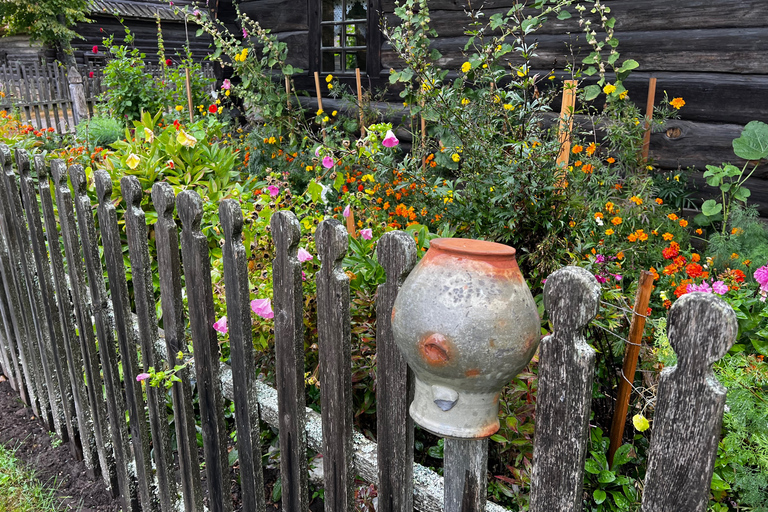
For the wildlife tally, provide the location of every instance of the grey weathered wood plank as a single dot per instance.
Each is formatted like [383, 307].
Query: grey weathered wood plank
[289, 356]
[396, 252]
[197, 271]
[466, 474]
[60, 389]
[83, 308]
[125, 461]
[169, 269]
[243, 356]
[6, 340]
[335, 346]
[566, 369]
[144, 297]
[71, 345]
[689, 406]
[127, 340]
[26, 288]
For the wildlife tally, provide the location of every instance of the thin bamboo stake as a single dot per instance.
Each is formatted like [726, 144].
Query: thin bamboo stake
[566, 122]
[288, 91]
[423, 140]
[319, 98]
[189, 95]
[649, 117]
[360, 101]
[630, 361]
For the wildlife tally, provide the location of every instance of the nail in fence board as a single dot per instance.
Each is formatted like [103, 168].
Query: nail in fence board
[243, 356]
[689, 406]
[289, 356]
[29, 347]
[566, 368]
[75, 364]
[466, 474]
[169, 269]
[61, 391]
[83, 314]
[394, 381]
[197, 271]
[102, 313]
[144, 297]
[128, 343]
[335, 346]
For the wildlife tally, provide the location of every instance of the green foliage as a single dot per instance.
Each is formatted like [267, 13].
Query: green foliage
[20, 491]
[616, 487]
[47, 21]
[100, 130]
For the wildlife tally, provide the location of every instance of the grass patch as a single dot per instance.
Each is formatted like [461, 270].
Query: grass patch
[20, 491]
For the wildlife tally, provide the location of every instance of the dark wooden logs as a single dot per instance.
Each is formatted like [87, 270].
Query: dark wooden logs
[169, 269]
[335, 346]
[566, 369]
[61, 390]
[396, 252]
[144, 297]
[75, 364]
[289, 355]
[83, 312]
[127, 340]
[197, 271]
[689, 406]
[243, 356]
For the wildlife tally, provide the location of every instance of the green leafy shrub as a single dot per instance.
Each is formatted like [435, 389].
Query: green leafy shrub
[100, 130]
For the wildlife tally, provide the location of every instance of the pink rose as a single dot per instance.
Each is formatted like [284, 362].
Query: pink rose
[366, 233]
[263, 308]
[221, 325]
[390, 140]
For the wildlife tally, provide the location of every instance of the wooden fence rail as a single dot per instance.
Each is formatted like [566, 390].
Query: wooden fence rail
[72, 345]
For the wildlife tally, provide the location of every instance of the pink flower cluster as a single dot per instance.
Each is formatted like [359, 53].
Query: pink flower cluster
[717, 287]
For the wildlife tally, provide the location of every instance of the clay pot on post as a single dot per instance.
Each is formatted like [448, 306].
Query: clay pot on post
[466, 323]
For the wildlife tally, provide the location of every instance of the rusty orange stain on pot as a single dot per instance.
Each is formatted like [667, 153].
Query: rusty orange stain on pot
[435, 349]
[474, 372]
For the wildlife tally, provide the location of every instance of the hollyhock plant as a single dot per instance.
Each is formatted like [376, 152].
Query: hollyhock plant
[327, 162]
[273, 190]
[761, 276]
[304, 255]
[263, 308]
[347, 211]
[226, 85]
[366, 233]
[221, 325]
[142, 376]
[390, 140]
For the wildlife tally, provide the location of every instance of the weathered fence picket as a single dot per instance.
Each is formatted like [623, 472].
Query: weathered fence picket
[45, 357]
[243, 357]
[83, 308]
[151, 357]
[197, 270]
[127, 340]
[169, 269]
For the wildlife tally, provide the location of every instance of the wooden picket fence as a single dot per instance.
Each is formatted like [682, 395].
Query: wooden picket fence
[43, 94]
[51, 303]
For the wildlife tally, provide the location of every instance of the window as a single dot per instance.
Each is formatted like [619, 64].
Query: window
[344, 37]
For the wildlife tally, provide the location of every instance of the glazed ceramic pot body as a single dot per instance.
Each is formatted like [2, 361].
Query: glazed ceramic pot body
[466, 323]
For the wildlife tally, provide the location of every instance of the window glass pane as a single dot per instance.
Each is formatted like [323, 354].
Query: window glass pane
[357, 10]
[331, 62]
[332, 10]
[331, 36]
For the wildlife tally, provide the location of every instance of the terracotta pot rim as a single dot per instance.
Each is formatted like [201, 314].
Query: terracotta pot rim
[471, 247]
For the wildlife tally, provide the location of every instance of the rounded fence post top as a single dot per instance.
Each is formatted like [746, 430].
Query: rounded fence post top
[103, 186]
[190, 207]
[231, 218]
[571, 297]
[164, 199]
[701, 328]
[131, 190]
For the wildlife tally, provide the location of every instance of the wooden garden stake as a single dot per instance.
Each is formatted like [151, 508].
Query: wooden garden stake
[423, 139]
[288, 91]
[630, 361]
[566, 122]
[649, 117]
[189, 95]
[360, 101]
[319, 97]
[351, 224]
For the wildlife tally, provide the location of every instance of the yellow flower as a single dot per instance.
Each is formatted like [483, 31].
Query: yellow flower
[310, 168]
[149, 135]
[186, 139]
[464, 101]
[455, 157]
[635, 199]
[632, 237]
[133, 160]
[334, 113]
[319, 112]
[326, 119]
[640, 422]
[609, 232]
[667, 236]
[609, 88]
[609, 206]
[179, 108]
[623, 94]
[677, 103]
[330, 86]
[522, 71]
[551, 77]
[329, 78]
[677, 178]
[507, 106]
[226, 93]
[466, 67]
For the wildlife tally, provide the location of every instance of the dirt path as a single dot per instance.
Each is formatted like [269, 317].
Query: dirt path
[55, 467]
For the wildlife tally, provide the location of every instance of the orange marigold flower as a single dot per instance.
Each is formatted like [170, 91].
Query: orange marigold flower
[659, 200]
[616, 221]
[577, 149]
[610, 160]
[672, 216]
[655, 273]
[747, 262]
[637, 200]
[577, 163]
[699, 231]
[680, 261]
[599, 215]
[617, 186]
[683, 222]
[632, 237]
[609, 206]
[677, 103]
[609, 232]
[667, 303]
[735, 231]
[641, 235]
[695, 257]
[734, 256]
[682, 289]
[667, 236]
[588, 168]
[620, 255]
[670, 253]
[694, 270]
[591, 148]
